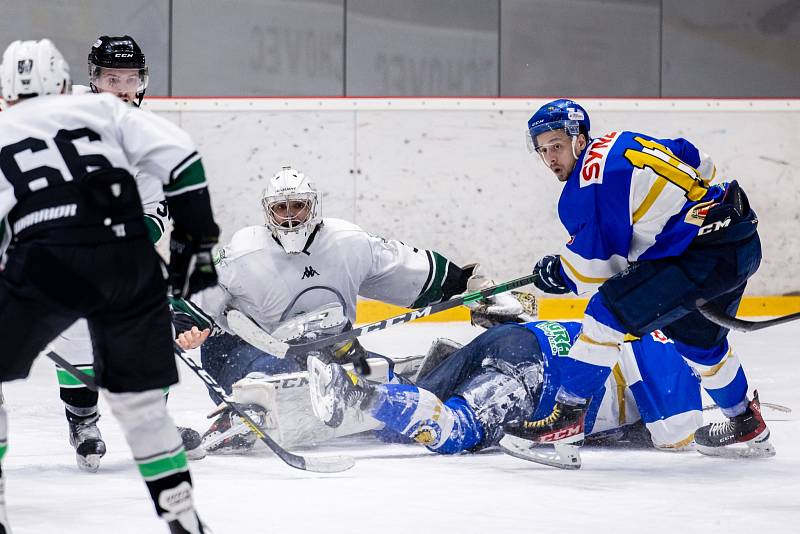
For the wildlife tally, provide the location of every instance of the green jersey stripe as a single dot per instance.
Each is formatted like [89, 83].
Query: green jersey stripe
[190, 177]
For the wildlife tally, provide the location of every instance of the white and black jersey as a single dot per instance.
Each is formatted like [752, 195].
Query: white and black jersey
[50, 140]
[80, 246]
[340, 262]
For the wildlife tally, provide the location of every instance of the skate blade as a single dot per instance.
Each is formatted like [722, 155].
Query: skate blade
[562, 455]
[89, 463]
[758, 447]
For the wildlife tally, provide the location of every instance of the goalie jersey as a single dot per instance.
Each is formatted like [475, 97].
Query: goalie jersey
[651, 382]
[342, 261]
[632, 197]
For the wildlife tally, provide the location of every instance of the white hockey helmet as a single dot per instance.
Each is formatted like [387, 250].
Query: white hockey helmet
[292, 208]
[33, 68]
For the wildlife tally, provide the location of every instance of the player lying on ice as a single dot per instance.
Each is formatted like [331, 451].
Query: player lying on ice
[512, 372]
[296, 264]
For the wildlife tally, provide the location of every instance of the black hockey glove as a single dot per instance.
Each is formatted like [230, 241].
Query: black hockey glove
[182, 248]
[549, 279]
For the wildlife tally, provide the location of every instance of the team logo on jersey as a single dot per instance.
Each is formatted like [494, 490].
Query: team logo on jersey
[659, 336]
[308, 273]
[697, 214]
[595, 160]
[25, 66]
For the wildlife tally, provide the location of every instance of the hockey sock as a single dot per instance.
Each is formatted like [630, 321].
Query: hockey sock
[158, 451]
[80, 402]
[721, 375]
[446, 428]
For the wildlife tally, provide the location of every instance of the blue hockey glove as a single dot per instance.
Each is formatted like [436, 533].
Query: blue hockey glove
[549, 278]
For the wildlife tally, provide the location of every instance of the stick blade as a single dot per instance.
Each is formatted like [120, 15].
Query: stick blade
[329, 464]
[245, 328]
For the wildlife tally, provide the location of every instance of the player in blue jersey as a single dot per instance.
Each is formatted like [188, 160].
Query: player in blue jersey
[511, 372]
[656, 240]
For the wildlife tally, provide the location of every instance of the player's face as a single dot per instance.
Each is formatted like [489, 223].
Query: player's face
[555, 149]
[124, 83]
[290, 213]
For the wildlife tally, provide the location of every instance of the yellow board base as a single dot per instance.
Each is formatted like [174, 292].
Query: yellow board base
[370, 311]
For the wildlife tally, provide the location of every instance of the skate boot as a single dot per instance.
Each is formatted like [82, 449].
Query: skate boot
[333, 390]
[189, 524]
[88, 442]
[192, 443]
[230, 434]
[563, 429]
[745, 435]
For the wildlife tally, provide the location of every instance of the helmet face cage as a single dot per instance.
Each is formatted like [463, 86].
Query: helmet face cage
[117, 65]
[289, 213]
[292, 209]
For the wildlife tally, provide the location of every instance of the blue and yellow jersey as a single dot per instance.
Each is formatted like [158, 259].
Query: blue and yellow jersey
[632, 197]
[651, 382]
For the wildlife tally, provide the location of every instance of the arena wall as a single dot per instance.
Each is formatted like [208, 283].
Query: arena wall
[454, 175]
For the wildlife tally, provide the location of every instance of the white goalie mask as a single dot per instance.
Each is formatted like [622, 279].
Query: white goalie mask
[33, 68]
[292, 209]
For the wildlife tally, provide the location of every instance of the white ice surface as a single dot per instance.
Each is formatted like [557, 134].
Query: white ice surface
[403, 488]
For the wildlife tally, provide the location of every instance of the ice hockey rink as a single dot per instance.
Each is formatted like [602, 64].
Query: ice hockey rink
[404, 488]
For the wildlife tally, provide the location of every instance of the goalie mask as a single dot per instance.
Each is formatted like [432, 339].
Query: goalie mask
[117, 66]
[33, 68]
[292, 209]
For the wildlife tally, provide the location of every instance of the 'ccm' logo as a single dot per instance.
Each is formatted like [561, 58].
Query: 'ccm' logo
[713, 227]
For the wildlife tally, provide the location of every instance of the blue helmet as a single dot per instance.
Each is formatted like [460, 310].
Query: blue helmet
[561, 114]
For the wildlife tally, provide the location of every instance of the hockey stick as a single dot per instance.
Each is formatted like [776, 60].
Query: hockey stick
[319, 464]
[770, 405]
[715, 315]
[248, 330]
[83, 378]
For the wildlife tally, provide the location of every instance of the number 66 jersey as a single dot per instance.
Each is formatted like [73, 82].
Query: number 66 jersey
[50, 141]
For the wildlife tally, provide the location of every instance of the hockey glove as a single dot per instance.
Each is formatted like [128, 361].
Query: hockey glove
[187, 277]
[487, 312]
[549, 278]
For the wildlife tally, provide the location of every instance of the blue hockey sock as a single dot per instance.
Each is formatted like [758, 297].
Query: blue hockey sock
[445, 428]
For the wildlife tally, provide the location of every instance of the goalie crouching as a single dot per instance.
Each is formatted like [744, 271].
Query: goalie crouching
[296, 264]
[511, 373]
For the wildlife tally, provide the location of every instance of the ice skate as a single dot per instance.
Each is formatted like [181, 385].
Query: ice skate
[744, 436]
[89, 446]
[192, 443]
[230, 434]
[563, 428]
[333, 390]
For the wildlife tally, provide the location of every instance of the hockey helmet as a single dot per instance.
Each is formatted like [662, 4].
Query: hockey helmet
[561, 114]
[292, 209]
[117, 65]
[33, 68]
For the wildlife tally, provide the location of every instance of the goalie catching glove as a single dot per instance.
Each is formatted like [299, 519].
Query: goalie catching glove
[514, 307]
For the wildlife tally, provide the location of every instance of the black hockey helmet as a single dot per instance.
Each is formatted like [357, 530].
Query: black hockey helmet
[117, 53]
